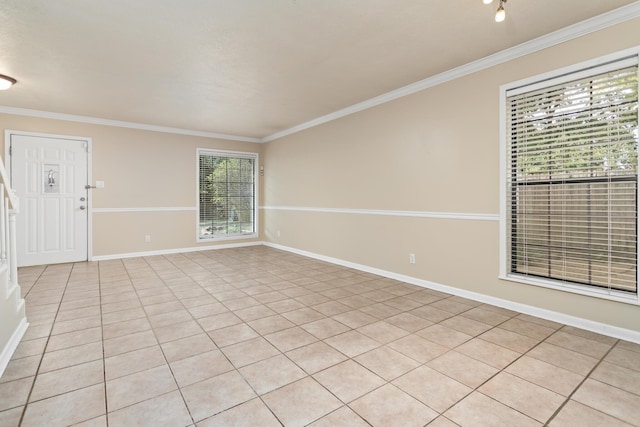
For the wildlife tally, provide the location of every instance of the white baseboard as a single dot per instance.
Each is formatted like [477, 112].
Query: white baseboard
[173, 251]
[13, 343]
[578, 322]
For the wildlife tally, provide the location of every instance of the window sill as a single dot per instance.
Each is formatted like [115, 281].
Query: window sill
[610, 295]
[227, 238]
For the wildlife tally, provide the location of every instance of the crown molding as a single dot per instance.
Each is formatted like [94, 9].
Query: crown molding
[571, 32]
[122, 124]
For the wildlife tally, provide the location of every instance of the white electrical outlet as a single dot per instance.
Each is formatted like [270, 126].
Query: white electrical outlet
[412, 258]
[278, 233]
[147, 239]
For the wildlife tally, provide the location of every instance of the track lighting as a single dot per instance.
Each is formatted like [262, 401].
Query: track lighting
[500, 13]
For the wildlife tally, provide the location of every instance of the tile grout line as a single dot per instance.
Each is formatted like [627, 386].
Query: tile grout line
[476, 389]
[135, 290]
[260, 396]
[218, 348]
[261, 335]
[44, 351]
[200, 326]
[580, 385]
[189, 274]
[386, 382]
[104, 361]
[504, 368]
[183, 305]
[34, 282]
[524, 354]
[236, 369]
[390, 382]
[380, 345]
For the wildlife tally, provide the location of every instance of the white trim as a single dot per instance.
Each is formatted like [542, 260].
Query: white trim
[12, 344]
[256, 199]
[587, 290]
[605, 63]
[89, 198]
[601, 328]
[122, 124]
[597, 23]
[227, 153]
[229, 237]
[9, 132]
[571, 32]
[600, 65]
[173, 251]
[380, 212]
[89, 158]
[502, 196]
[146, 209]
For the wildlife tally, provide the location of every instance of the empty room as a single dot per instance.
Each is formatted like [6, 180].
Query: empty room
[319, 213]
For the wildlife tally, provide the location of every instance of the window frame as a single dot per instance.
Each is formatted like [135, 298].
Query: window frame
[567, 74]
[229, 154]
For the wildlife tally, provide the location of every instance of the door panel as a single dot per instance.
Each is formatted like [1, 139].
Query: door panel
[49, 175]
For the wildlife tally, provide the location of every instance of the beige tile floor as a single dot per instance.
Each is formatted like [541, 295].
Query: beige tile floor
[259, 337]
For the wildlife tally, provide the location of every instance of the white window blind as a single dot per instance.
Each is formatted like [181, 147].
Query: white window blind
[572, 160]
[227, 194]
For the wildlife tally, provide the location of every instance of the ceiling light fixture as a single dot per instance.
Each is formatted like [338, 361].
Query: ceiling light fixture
[6, 82]
[500, 13]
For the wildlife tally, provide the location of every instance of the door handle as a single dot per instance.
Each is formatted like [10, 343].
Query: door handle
[82, 208]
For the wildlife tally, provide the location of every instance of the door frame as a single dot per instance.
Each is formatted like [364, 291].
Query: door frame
[89, 142]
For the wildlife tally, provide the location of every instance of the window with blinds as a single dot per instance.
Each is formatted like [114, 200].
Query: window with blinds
[227, 194]
[572, 179]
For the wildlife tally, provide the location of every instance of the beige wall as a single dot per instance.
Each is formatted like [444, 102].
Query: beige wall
[433, 151]
[141, 169]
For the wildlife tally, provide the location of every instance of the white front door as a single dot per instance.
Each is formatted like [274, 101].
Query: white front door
[49, 175]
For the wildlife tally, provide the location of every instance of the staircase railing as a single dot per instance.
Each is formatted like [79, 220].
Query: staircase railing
[8, 210]
[13, 321]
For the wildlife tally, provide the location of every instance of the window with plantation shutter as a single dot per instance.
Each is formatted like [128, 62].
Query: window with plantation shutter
[227, 194]
[571, 158]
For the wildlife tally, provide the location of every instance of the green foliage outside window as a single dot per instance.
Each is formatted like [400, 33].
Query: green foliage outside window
[573, 181]
[227, 196]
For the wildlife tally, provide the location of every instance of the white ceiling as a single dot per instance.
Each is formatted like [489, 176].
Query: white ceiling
[250, 68]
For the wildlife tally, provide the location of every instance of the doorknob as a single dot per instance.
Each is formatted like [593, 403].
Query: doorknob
[82, 208]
